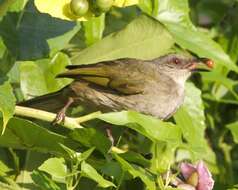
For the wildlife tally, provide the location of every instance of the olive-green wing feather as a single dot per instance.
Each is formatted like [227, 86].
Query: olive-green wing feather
[121, 75]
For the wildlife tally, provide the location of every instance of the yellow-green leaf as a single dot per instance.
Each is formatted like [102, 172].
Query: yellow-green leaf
[7, 103]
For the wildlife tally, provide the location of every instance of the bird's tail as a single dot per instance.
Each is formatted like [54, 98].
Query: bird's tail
[52, 102]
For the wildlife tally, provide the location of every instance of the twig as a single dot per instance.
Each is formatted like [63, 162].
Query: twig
[69, 122]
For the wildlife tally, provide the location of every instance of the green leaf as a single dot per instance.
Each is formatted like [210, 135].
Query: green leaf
[4, 6]
[153, 128]
[78, 155]
[146, 6]
[172, 11]
[84, 155]
[136, 158]
[233, 127]
[17, 6]
[31, 88]
[137, 171]
[7, 104]
[26, 36]
[163, 156]
[200, 44]
[133, 41]
[43, 72]
[6, 64]
[23, 134]
[191, 119]
[112, 168]
[44, 181]
[90, 137]
[51, 68]
[220, 79]
[94, 28]
[56, 168]
[59, 42]
[90, 172]
[2, 48]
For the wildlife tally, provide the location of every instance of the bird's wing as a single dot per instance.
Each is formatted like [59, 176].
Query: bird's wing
[123, 75]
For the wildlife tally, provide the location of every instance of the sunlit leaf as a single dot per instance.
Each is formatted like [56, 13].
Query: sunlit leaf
[43, 72]
[55, 167]
[133, 41]
[191, 119]
[148, 126]
[124, 3]
[172, 11]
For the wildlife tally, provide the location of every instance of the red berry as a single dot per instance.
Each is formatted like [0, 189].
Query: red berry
[210, 63]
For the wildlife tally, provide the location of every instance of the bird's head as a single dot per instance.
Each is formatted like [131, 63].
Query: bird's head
[179, 66]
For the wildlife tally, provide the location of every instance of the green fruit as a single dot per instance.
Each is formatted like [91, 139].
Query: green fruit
[104, 5]
[79, 7]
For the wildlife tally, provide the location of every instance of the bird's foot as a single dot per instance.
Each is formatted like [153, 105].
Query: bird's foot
[60, 117]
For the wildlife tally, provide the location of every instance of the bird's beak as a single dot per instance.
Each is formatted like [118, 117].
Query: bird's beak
[203, 64]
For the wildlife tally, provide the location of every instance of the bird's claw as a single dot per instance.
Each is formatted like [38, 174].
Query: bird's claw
[60, 118]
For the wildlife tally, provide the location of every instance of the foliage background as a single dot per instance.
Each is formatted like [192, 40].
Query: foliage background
[35, 47]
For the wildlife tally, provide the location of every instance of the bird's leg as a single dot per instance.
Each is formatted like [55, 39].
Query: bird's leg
[60, 117]
[109, 134]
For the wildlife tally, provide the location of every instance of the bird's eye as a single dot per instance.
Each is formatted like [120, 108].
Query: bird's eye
[176, 61]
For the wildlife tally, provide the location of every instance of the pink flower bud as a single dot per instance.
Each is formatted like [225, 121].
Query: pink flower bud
[197, 175]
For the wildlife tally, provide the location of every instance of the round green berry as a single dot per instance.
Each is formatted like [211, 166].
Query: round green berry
[79, 7]
[104, 5]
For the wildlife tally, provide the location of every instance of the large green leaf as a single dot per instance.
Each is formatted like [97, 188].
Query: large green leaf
[26, 35]
[23, 134]
[148, 126]
[191, 119]
[137, 171]
[90, 172]
[143, 38]
[7, 104]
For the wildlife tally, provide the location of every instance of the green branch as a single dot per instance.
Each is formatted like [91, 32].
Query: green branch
[69, 122]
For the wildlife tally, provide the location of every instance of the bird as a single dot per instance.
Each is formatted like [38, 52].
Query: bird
[153, 87]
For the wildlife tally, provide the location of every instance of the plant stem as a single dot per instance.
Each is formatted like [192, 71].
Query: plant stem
[69, 122]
